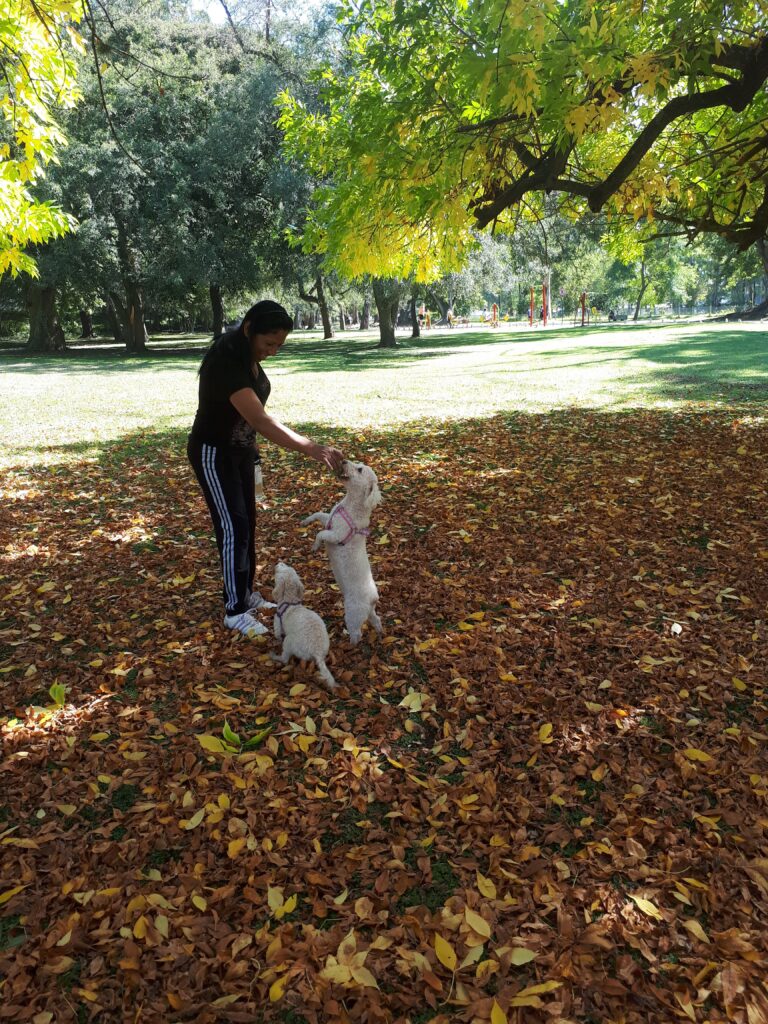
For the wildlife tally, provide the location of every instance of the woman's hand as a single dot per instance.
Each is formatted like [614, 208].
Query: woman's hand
[330, 457]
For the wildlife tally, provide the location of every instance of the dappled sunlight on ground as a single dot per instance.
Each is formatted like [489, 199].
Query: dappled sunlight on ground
[534, 766]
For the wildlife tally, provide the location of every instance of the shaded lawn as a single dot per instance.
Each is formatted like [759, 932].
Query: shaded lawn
[555, 762]
[60, 407]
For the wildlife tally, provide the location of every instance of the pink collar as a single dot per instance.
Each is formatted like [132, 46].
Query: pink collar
[363, 532]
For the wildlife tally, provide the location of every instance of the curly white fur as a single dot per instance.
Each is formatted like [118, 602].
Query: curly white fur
[302, 631]
[344, 535]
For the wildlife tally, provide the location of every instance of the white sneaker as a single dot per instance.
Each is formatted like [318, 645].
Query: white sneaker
[246, 624]
[256, 601]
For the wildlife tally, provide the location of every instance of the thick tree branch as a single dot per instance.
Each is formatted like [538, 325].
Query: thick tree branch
[545, 172]
[737, 96]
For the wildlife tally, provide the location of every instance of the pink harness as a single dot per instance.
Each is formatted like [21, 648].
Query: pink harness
[282, 609]
[364, 532]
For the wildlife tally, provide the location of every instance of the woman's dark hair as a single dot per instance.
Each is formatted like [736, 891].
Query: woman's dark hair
[267, 316]
[263, 318]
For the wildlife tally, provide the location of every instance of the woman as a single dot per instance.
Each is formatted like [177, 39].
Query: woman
[221, 448]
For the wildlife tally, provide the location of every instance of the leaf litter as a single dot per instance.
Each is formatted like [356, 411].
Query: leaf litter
[543, 797]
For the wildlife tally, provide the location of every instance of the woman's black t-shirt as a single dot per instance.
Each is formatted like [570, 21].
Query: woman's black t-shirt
[227, 368]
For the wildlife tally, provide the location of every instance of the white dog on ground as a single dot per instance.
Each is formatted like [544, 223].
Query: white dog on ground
[344, 533]
[302, 631]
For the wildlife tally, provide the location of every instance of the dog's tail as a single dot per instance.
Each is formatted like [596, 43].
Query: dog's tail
[324, 672]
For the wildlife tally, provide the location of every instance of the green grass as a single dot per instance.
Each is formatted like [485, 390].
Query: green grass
[65, 407]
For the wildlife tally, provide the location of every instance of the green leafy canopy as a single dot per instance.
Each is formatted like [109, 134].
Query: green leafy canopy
[36, 42]
[459, 115]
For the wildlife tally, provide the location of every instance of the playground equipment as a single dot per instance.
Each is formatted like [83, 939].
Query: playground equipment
[544, 304]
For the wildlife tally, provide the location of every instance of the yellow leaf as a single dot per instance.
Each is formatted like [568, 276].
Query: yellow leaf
[695, 928]
[277, 989]
[592, 706]
[599, 773]
[97, 737]
[686, 1005]
[211, 743]
[477, 923]
[486, 886]
[234, 847]
[414, 700]
[66, 808]
[497, 1014]
[161, 923]
[140, 928]
[545, 733]
[338, 973]
[195, 820]
[363, 977]
[200, 902]
[338, 900]
[445, 952]
[738, 684]
[275, 897]
[45, 588]
[521, 956]
[696, 755]
[134, 755]
[287, 907]
[647, 907]
[539, 990]
[226, 1000]
[474, 954]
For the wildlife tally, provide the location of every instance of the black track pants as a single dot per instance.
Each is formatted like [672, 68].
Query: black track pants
[225, 474]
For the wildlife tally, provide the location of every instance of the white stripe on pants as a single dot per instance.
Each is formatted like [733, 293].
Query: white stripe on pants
[228, 530]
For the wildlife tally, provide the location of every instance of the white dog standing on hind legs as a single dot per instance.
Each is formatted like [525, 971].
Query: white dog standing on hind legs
[302, 631]
[344, 533]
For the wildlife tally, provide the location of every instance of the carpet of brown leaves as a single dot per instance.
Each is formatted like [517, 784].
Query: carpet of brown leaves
[544, 797]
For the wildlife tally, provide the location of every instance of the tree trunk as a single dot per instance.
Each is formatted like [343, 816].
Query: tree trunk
[442, 307]
[132, 319]
[762, 248]
[86, 321]
[386, 293]
[342, 325]
[643, 286]
[365, 316]
[319, 300]
[416, 332]
[117, 316]
[217, 306]
[45, 331]
[325, 313]
[136, 337]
